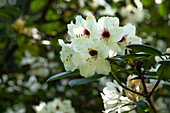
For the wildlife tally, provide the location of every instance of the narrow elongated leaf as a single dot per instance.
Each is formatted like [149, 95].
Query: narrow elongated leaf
[80, 81]
[151, 73]
[145, 48]
[165, 62]
[142, 105]
[135, 56]
[145, 77]
[63, 75]
[166, 53]
[114, 59]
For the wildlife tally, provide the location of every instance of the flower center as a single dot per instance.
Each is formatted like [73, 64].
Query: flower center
[117, 89]
[106, 34]
[86, 32]
[123, 38]
[93, 53]
[57, 107]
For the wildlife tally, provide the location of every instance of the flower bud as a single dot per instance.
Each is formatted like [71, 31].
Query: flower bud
[135, 85]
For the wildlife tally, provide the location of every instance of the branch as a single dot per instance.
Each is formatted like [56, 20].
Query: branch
[125, 86]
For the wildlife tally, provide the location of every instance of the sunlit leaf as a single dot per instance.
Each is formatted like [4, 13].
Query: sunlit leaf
[37, 5]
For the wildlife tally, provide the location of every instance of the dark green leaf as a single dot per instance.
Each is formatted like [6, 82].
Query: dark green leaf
[145, 48]
[63, 75]
[114, 59]
[10, 10]
[142, 105]
[166, 53]
[165, 62]
[151, 73]
[164, 72]
[134, 56]
[80, 81]
[4, 16]
[145, 77]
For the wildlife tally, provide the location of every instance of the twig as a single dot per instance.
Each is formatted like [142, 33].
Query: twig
[153, 107]
[125, 86]
[157, 83]
[143, 83]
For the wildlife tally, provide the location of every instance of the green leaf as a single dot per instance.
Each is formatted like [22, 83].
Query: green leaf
[115, 67]
[10, 10]
[162, 9]
[51, 15]
[145, 48]
[166, 53]
[5, 17]
[165, 62]
[80, 81]
[135, 56]
[142, 105]
[151, 73]
[164, 72]
[145, 77]
[37, 5]
[63, 75]
[146, 2]
[114, 59]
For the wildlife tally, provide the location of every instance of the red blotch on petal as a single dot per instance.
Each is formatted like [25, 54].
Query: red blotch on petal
[106, 34]
[86, 32]
[93, 52]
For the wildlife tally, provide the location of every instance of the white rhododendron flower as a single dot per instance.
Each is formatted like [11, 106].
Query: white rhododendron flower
[91, 42]
[55, 106]
[109, 32]
[113, 99]
[92, 58]
[66, 56]
[82, 29]
[129, 37]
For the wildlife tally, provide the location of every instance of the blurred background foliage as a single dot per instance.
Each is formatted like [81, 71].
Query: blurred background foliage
[29, 50]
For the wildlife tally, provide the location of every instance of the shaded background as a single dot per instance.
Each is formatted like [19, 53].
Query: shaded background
[29, 50]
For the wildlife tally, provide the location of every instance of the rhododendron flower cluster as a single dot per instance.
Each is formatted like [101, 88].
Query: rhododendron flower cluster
[115, 100]
[55, 106]
[91, 42]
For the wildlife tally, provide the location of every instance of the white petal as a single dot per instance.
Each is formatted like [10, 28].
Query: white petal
[103, 66]
[130, 29]
[116, 34]
[103, 49]
[87, 70]
[80, 21]
[107, 22]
